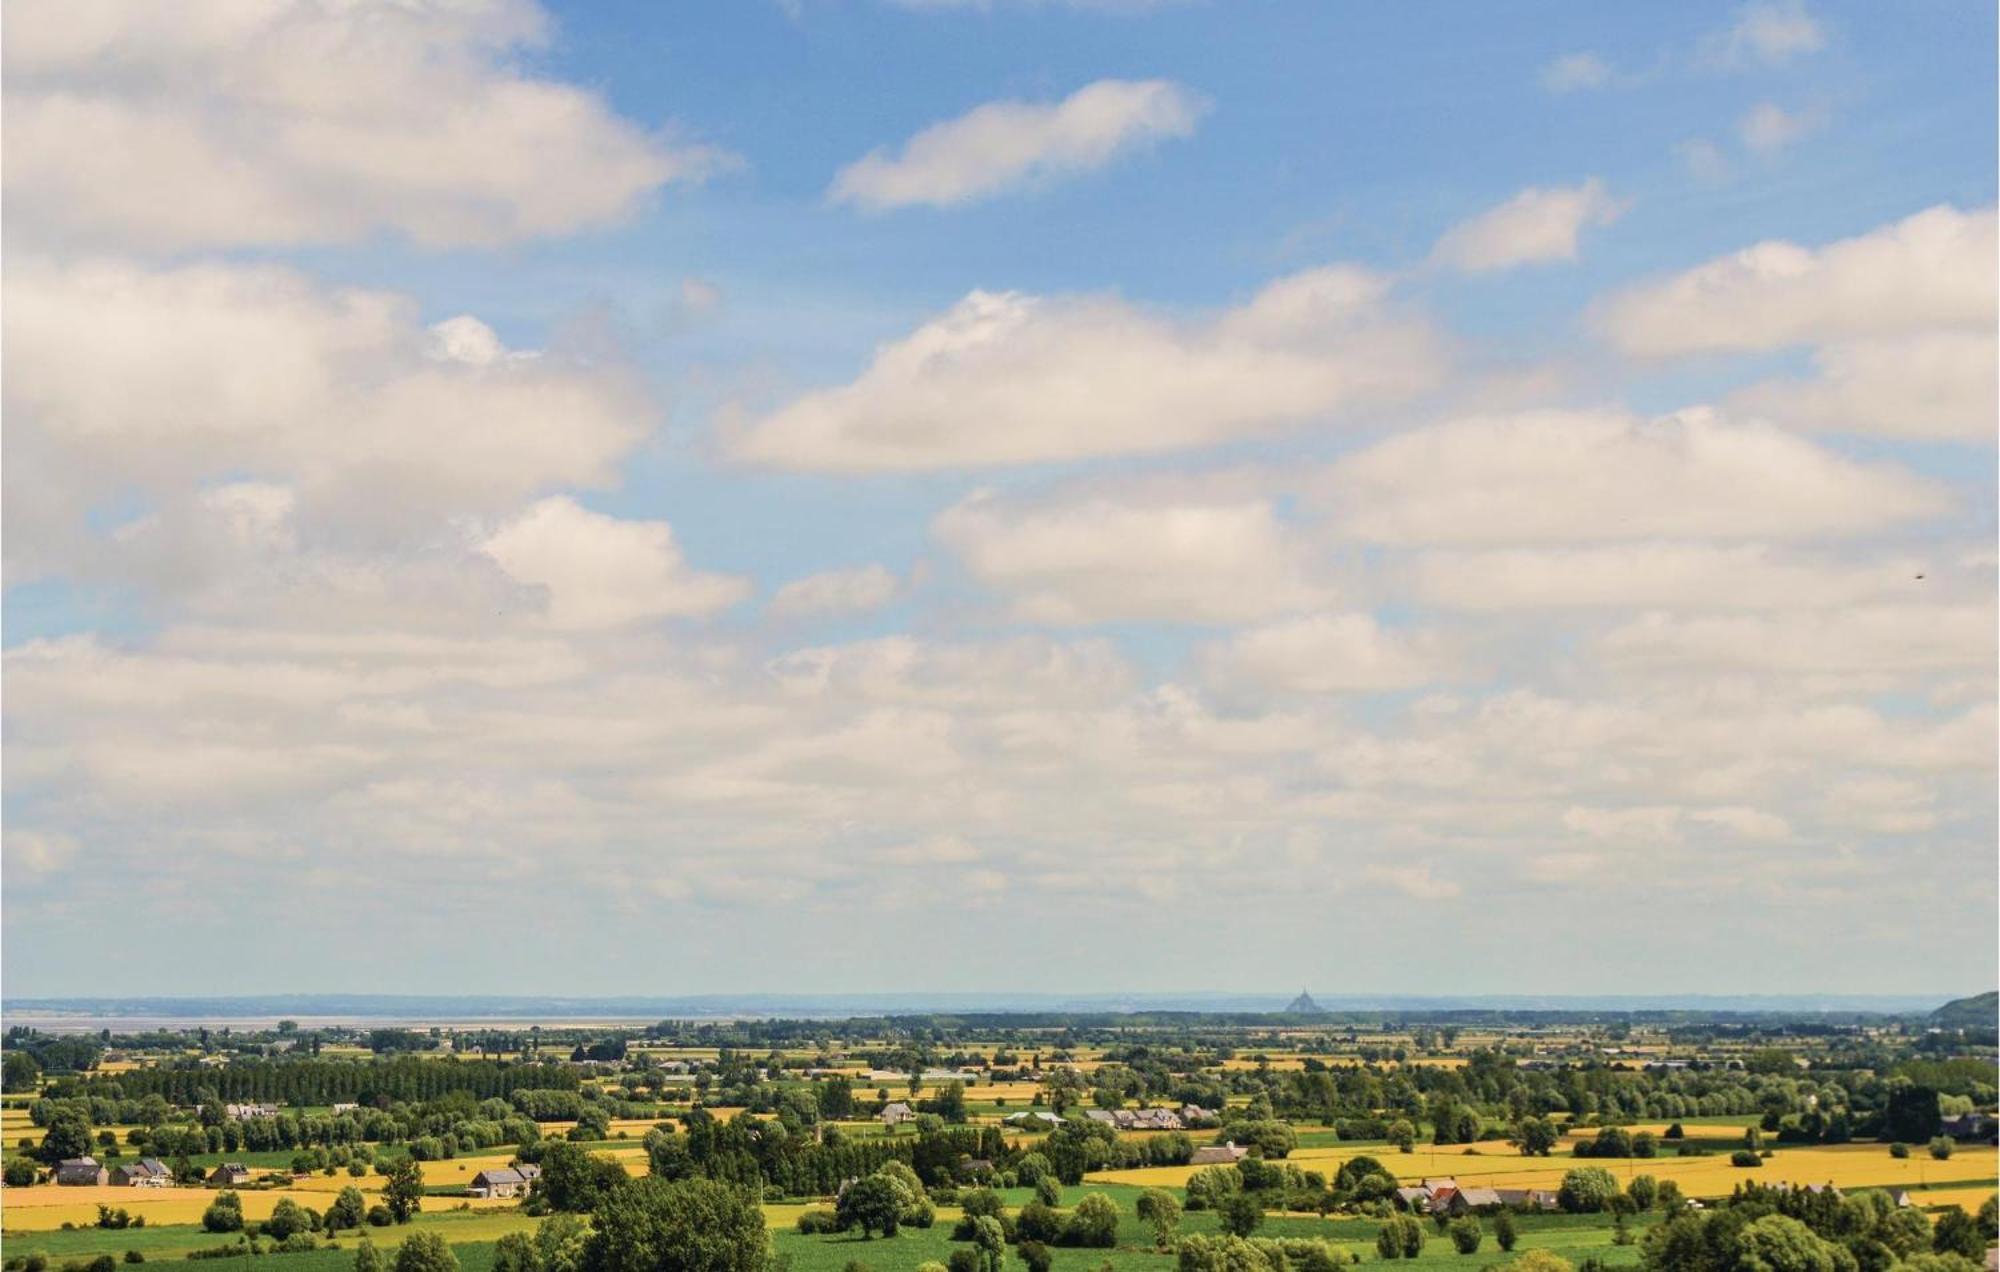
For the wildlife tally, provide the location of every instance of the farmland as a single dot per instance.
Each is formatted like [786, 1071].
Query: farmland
[1312, 1125]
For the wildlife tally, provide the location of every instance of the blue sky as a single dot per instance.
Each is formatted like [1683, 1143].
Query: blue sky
[818, 482]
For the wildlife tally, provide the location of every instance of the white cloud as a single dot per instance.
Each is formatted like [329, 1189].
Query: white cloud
[1652, 575]
[1907, 639]
[1771, 33]
[168, 127]
[1536, 226]
[852, 591]
[121, 378]
[1325, 653]
[1573, 477]
[1002, 145]
[601, 571]
[1414, 881]
[1012, 379]
[1933, 269]
[1574, 71]
[1103, 559]
[1703, 160]
[1935, 384]
[1768, 127]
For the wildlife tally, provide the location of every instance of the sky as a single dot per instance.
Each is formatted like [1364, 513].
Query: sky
[1032, 495]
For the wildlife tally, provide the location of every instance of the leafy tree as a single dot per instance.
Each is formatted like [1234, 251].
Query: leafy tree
[1911, 1114]
[224, 1214]
[403, 1189]
[1240, 1214]
[688, 1225]
[873, 1203]
[1157, 1207]
[1534, 1136]
[1941, 1148]
[68, 1135]
[1780, 1243]
[1400, 1237]
[1537, 1261]
[515, 1252]
[287, 1217]
[1586, 1190]
[349, 1210]
[1403, 1135]
[576, 1180]
[1504, 1232]
[425, 1252]
[20, 1072]
[19, 1172]
[367, 1258]
[1048, 1190]
[1094, 1222]
[1466, 1234]
[1958, 1233]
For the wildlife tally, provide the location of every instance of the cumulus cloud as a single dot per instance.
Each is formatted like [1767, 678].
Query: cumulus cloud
[601, 571]
[1651, 575]
[1101, 559]
[1769, 33]
[1536, 226]
[1568, 477]
[1907, 639]
[120, 377]
[1326, 653]
[1006, 378]
[1933, 269]
[1930, 384]
[854, 591]
[1003, 145]
[155, 127]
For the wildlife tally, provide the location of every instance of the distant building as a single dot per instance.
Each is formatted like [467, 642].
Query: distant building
[898, 1113]
[244, 1112]
[1218, 1155]
[147, 1172]
[502, 1182]
[348, 1107]
[229, 1175]
[80, 1172]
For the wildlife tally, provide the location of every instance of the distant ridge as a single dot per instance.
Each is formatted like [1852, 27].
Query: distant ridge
[1304, 1005]
[1968, 1013]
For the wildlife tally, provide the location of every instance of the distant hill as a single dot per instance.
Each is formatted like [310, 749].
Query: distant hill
[1968, 1013]
[1304, 1005]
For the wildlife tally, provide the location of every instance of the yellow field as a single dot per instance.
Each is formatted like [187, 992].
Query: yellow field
[1498, 1166]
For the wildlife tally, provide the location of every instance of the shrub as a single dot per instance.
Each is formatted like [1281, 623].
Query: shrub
[1093, 1223]
[1899, 1150]
[812, 1223]
[1941, 1148]
[1466, 1234]
[1745, 1157]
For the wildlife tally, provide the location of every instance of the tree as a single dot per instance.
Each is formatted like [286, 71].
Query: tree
[20, 1072]
[1941, 1148]
[1094, 1223]
[1048, 1190]
[515, 1252]
[1779, 1243]
[1538, 1261]
[687, 1225]
[287, 1217]
[19, 1172]
[576, 1180]
[1534, 1136]
[403, 1188]
[1400, 1237]
[1958, 1233]
[1240, 1214]
[1989, 1218]
[1157, 1207]
[68, 1135]
[1912, 1114]
[872, 1203]
[425, 1252]
[224, 1214]
[367, 1258]
[1403, 1135]
[1062, 1088]
[1586, 1190]
[1504, 1232]
[1466, 1234]
[349, 1210]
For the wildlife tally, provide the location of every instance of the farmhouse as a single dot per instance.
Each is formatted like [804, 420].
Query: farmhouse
[1218, 1155]
[79, 1172]
[229, 1174]
[502, 1182]
[1034, 1117]
[347, 1107]
[149, 1172]
[244, 1112]
[898, 1113]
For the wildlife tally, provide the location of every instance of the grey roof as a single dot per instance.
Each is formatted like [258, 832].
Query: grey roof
[499, 1175]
